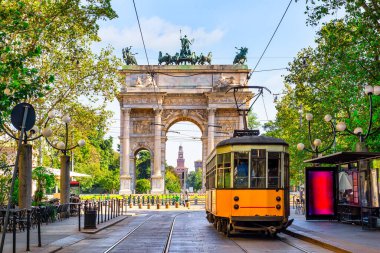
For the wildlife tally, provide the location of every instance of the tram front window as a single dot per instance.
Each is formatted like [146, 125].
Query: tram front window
[274, 169]
[241, 170]
[258, 168]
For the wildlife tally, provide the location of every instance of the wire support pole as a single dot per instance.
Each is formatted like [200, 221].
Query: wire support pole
[13, 178]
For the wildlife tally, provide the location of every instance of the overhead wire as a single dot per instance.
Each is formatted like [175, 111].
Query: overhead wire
[274, 33]
[150, 71]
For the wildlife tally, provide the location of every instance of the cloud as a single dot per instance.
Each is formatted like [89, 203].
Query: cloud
[158, 35]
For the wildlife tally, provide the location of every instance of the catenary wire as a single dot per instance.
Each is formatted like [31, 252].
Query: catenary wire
[274, 33]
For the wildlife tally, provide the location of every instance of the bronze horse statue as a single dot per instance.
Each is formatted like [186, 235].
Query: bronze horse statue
[128, 56]
[241, 56]
[203, 59]
[167, 59]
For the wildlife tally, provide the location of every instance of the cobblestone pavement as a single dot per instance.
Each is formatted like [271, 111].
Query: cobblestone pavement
[148, 232]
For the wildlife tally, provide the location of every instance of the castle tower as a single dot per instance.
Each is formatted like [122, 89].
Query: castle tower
[181, 170]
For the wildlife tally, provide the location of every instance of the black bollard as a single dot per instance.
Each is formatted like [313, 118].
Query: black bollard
[101, 211]
[28, 230]
[98, 213]
[14, 231]
[39, 226]
[109, 208]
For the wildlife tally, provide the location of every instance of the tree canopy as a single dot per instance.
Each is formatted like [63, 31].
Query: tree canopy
[330, 79]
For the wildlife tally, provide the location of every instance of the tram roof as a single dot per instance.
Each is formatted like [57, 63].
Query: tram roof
[252, 140]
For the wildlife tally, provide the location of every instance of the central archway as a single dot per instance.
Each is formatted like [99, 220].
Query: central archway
[182, 148]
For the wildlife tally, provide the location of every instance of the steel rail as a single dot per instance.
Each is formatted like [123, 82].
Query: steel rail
[128, 234]
[168, 241]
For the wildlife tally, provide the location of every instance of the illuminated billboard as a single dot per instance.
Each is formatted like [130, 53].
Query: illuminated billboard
[320, 193]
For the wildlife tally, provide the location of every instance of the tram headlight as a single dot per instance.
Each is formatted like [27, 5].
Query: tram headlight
[278, 207]
[236, 206]
[236, 198]
[278, 198]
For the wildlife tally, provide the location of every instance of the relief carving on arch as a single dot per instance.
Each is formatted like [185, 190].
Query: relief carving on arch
[185, 100]
[139, 144]
[142, 126]
[228, 125]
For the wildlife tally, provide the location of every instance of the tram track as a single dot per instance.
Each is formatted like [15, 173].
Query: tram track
[166, 244]
[283, 240]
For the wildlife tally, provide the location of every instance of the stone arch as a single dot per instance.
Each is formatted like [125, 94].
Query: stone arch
[195, 94]
[193, 119]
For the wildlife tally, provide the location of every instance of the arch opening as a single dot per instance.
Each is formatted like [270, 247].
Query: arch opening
[184, 155]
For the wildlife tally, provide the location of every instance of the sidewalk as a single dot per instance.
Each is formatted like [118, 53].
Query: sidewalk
[55, 236]
[60, 234]
[333, 235]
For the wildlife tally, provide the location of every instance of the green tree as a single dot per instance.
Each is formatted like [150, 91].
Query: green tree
[45, 180]
[143, 168]
[194, 179]
[40, 44]
[253, 122]
[329, 79]
[172, 182]
[142, 186]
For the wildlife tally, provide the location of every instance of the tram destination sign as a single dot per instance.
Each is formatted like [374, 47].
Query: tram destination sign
[240, 133]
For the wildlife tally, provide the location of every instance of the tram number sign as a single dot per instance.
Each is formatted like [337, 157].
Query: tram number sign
[239, 133]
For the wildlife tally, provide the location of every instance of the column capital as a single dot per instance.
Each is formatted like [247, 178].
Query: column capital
[126, 110]
[158, 111]
[211, 110]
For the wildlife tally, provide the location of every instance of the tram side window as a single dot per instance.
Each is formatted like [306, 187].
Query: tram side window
[241, 169]
[224, 170]
[274, 169]
[227, 170]
[258, 168]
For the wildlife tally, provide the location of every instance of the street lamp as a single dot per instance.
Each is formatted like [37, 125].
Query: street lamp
[358, 131]
[316, 143]
[65, 159]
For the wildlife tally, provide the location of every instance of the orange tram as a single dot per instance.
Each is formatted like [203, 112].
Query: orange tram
[247, 185]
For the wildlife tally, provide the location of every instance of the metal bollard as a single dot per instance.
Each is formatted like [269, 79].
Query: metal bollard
[101, 211]
[109, 208]
[79, 210]
[39, 227]
[28, 230]
[14, 231]
[98, 213]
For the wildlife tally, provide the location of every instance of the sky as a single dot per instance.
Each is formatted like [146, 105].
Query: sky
[217, 27]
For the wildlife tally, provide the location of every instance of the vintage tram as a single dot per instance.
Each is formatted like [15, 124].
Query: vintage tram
[247, 185]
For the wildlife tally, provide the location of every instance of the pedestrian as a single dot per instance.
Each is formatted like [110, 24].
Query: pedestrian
[186, 198]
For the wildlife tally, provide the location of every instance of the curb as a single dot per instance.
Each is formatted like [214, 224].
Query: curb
[94, 231]
[316, 240]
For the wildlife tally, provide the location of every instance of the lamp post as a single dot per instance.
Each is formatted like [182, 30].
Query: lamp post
[316, 143]
[358, 131]
[65, 159]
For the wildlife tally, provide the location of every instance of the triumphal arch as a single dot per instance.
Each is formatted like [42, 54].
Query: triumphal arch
[154, 97]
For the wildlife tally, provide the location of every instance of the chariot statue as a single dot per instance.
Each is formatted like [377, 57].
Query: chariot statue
[185, 56]
[241, 55]
[128, 56]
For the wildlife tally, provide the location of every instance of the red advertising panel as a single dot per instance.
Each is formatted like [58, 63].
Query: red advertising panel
[320, 193]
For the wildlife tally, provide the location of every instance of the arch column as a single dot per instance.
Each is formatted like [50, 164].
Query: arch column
[157, 178]
[125, 177]
[211, 129]
[204, 157]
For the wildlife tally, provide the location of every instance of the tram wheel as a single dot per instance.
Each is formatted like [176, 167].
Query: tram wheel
[219, 225]
[215, 222]
[228, 230]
